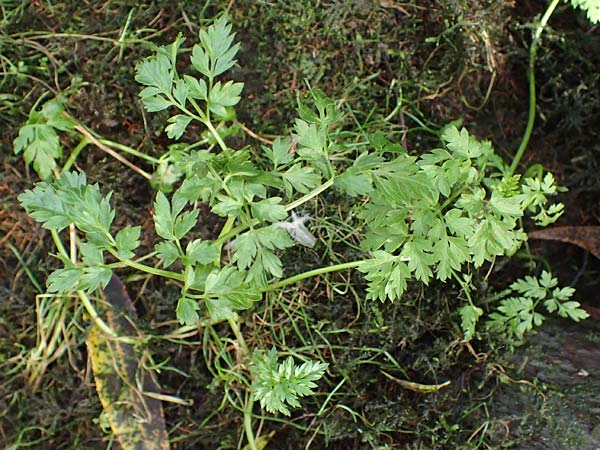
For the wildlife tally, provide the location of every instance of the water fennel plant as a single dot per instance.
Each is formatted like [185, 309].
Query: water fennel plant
[436, 216]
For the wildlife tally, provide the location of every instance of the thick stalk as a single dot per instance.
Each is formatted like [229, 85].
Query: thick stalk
[532, 95]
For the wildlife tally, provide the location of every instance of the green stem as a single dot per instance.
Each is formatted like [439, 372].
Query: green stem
[532, 96]
[75, 153]
[215, 133]
[59, 244]
[238, 335]
[129, 150]
[235, 231]
[85, 300]
[227, 227]
[248, 422]
[313, 273]
[465, 287]
[144, 268]
[310, 195]
[154, 270]
[226, 230]
[202, 117]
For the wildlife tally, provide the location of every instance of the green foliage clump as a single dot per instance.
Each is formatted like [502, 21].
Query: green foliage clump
[277, 384]
[430, 216]
[517, 314]
[38, 139]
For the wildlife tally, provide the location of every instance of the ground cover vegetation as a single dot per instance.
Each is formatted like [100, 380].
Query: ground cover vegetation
[336, 230]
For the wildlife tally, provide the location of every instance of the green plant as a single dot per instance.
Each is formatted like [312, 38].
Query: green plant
[517, 314]
[38, 139]
[436, 216]
[277, 384]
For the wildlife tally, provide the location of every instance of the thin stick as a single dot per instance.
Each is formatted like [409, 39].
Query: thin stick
[251, 133]
[111, 152]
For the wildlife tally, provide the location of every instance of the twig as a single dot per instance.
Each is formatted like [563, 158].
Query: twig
[111, 152]
[251, 133]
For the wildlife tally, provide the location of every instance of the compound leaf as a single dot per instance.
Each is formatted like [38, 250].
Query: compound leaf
[279, 152]
[163, 219]
[301, 179]
[418, 254]
[387, 275]
[278, 385]
[228, 285]
[269, 209]
[127, 240]
[223, 95]
[202, 252]
[38, 140]
[184, 223]
[462, 143]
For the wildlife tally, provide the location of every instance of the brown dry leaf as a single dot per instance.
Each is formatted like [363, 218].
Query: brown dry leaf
[122, 383]
[586, 237]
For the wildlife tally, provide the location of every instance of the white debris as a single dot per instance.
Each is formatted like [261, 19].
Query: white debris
[298, 231]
